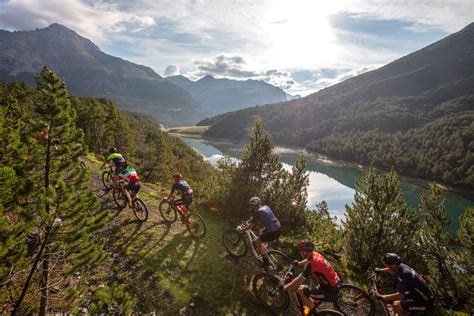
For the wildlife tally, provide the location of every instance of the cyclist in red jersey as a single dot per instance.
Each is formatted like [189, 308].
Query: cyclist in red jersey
[326, 281]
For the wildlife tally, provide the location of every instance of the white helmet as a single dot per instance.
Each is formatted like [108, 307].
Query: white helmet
[255, 201]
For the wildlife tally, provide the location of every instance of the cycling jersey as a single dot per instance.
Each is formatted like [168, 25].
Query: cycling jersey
[322, 272]
[269, 220]
[130, 174]
[117, 159]
[182, 187]
[412, 285]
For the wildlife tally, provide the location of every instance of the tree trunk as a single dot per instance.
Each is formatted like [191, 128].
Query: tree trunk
[44, 283]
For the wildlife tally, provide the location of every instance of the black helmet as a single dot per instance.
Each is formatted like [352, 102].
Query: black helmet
[112, 150]
[391, 258]
[305, 244]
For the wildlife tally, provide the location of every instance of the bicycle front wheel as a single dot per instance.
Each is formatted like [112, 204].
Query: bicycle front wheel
[107, 180]
[140, 210]
[119, 198]
[328, 312]
[278, 261]
[195, 225]
[352, 300]
[234, 243]
[266, 291]
[168, 212]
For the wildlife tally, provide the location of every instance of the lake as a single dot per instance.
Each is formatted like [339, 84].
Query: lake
[330, 181]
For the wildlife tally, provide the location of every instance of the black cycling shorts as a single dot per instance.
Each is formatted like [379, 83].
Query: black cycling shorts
[414, 305]
[186, 200]
[269, 236]
[134, 186]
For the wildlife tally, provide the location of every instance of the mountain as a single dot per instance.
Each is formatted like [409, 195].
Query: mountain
[217, 96]
[415, 114]
[90, 72]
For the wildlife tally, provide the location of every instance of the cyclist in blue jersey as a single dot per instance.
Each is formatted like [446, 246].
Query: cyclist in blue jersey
[116, 158]
[272, 225]
[413, 294]
[183, 188]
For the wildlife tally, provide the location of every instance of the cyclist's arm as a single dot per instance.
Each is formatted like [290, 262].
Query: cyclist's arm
[385, 270]
[248, 224]
[302, 262]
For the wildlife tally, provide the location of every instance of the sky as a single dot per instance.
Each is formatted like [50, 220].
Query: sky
[300, 46]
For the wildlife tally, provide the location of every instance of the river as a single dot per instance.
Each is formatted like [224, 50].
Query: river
[330, 181]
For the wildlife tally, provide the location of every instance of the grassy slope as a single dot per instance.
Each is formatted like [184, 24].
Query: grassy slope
[189, 131]
[167, 269]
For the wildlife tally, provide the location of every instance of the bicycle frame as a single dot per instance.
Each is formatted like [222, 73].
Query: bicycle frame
[251, 236]
[181, 209]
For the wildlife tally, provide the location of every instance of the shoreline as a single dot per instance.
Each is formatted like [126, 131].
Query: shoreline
[424, 183]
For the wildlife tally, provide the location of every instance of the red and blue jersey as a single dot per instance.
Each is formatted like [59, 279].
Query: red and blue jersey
[322, 272]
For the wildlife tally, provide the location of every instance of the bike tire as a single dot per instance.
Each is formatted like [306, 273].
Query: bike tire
[262, 286]
[168, 212]
[279, 261]
[119, 198]
[234, 243]
[107, 180]
[327, 312]
[352, 300]
[140, 210]
[196, 225]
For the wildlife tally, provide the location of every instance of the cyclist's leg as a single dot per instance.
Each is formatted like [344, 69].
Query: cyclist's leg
[409, 305]
[265, 237]
[399, 307]
[307, 292]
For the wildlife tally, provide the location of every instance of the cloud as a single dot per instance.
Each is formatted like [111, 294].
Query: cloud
[172, 70]
[94, 20]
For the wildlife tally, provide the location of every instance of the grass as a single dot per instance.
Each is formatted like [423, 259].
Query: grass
[164, 269]
[189, 130]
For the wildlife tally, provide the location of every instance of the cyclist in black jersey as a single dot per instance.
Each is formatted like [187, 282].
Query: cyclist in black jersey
[413, 294]
[183, 189]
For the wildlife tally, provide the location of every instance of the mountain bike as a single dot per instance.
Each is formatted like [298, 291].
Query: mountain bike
[268, 290]
[108, 178]
[194, 222]
[236, 241]
[122, 197]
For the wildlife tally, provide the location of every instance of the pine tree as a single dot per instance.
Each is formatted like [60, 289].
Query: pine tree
[63, 206]
[438, 246]
[466, 258]
[378, 221]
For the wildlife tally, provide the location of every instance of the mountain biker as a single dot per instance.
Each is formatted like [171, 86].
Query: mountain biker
[319, 270]
[272, 225]
[413, 294]
[183, 189]
[116, 158]
[130, 176]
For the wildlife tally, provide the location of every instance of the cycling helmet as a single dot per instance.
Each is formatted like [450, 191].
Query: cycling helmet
[305, 245]
[177, 175]
[255, 201]
[391, 258]
[112, 150]
[124, 164]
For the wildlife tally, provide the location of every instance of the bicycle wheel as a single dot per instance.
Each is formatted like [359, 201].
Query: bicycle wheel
[195, 225]
[234, 243]
[140, 210]
[278, 261]
[168, 212]
[107, 180]
[352, 300]
[119, 198]
[265, 289]
[327, 312]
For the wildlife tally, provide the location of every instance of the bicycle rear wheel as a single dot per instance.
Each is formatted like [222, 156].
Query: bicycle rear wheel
[195, 225]
[234, 243]
[119, 198]
[278, 261]
[168, 212]
[352, 300]
[266, 291]
[140, 210]
[107, 180]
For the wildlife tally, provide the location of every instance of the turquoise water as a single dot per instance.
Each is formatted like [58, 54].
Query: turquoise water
[330, 181]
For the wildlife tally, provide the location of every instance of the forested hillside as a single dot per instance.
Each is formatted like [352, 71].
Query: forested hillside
[415, 114]
[67, 248]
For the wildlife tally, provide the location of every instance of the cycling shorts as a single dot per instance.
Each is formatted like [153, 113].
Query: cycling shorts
[414, 305]
[318, 293]
[269, 236]
[134, 186]
[186, 200]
